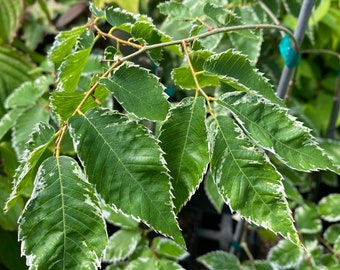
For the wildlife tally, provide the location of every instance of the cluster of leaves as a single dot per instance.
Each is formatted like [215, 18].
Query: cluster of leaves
[77, 161]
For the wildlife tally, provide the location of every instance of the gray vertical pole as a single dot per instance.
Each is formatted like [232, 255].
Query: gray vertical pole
[287, 73]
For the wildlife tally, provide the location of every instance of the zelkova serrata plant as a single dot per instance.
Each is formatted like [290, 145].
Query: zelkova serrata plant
[86, 163]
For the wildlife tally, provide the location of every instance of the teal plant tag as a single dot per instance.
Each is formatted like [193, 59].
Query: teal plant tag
[288, 53]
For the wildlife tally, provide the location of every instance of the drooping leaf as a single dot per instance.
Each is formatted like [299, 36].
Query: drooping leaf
[36, 152]
[8, 121]
[286, 255]
[235, 70]
[65, 103]
[183, 76]
[11, 13]
[137, 182]
[28, 92]
[244, 174]
[138, 91]
[184, 141]
[61, 199]
[275, 130]
[307, 219]
[25, 124]
[63, 44]
[168, 248]
[212, 193]
[329, 207]
[121, 245]
[219, 260]
[70, 70]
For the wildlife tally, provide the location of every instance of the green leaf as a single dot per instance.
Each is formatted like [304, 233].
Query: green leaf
[332, 148]
[286, 255]
[35, 154]
[235, 70]
[121, 19]
[72, 67]
[165, 264]
[138, 183]
[63, 44]
[138, 91]
[65, 103]
[11, 14]
[212, 193]
[168, 248]
[247, 42]
[14, 69]
[307, 219]
[8, 121]
[183, 75]
[276, 131]
[332, 233]
[121, 245]
[329, 207]
[25, 124]
[184, 140]
[28, 93]
[10, 251]
[219, 260]
[175, 10]
[8, 221]
[143, 263]
[62, 197]
[118, 218]
[247, 180]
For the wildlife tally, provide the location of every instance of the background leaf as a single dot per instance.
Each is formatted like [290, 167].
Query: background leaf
[329, 209]
[62, 238]
[137, 183]
[184, 140]
[219, 260]
[244, 174]
[138, 91]
[11, 13]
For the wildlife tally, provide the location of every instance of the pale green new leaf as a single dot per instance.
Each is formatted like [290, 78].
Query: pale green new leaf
[121, 245]
[135, 179]
[218, 260]
[35, 154]
[275, 130]
[329, 208]
[247, 180]
[120, 19]
[286, 255]
[63, 44]
[138, 91]
[168, 248]
[28, 93]
[70, 70]
[175, 10]
[235, 70]
[25, 124]
[183, 76]
[11, 13]
[8, 121]
[65, 103]
[184, 140]
[62, 226]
